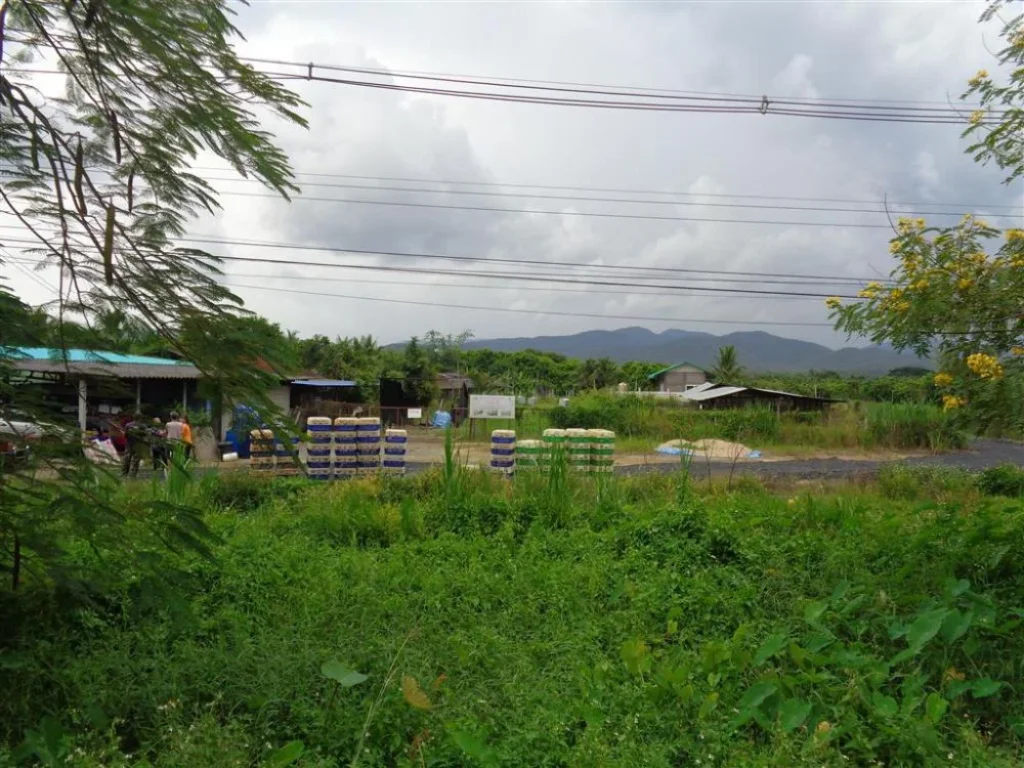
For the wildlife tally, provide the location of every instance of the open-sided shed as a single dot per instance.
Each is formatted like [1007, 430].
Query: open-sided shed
[105, 382]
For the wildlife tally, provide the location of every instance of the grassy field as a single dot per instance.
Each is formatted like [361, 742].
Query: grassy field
[642, 423]
[457, 619]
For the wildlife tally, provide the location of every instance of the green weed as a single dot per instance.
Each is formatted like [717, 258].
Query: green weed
[462, 619]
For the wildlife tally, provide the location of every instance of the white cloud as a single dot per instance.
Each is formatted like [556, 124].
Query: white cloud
[829, 50]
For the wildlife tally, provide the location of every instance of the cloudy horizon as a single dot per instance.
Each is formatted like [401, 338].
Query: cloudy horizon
[900, 51]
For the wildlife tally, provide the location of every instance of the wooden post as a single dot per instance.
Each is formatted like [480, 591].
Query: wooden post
[83, 392]
[138, 395]
[184, 395]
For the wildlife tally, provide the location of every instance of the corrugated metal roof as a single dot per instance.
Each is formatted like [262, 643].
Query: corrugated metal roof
[711, 394]
[86, 362]
[790, 394]
[323, 383]
[118, 370]
[86, 356]
[701, 387]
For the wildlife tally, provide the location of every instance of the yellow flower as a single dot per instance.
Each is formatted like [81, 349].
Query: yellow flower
[895, 246]
[949, 402]
[823, 727]
[964, 283]
[1017, 261]
[901, 306]
[920, 285]
[977, 116]
[919, 223]
[942, 379]
[978, 78]
[866, 293]
[896, 293]
[1014, 235]
[1017, 351]
[833, 302]
[985, 366]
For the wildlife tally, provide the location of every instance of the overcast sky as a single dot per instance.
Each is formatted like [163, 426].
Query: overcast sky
[863, 50]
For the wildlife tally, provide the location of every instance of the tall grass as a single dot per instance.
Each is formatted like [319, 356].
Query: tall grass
[910, 425]
[647, 623]
[860, 425]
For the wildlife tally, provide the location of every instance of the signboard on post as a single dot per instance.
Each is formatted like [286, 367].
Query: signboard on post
[492, 407]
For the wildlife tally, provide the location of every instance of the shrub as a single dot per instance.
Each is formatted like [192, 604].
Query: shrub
[1004, 480]
[911, 425]
[902, 481]
[244, 492]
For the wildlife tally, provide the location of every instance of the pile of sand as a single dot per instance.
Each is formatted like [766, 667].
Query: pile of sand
[710, 448]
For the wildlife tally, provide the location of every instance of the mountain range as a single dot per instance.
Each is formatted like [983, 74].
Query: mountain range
[757, 351]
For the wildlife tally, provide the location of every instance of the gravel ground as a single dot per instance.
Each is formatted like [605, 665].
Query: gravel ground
[980, 455]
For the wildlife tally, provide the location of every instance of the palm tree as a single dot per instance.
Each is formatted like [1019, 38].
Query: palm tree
[726, 369]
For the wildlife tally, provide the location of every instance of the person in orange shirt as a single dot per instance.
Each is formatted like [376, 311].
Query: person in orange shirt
[186, 436]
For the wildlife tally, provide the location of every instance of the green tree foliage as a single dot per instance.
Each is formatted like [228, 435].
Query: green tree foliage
[100, 181]
[637, 374]
[727, 368]
[598, 373]
[959, 291]
[445, 350]
[418, 373]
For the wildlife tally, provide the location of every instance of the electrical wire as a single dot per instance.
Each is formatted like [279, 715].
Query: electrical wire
[532, 278]
[473, 286]
[762, 103]
[547, 212]
[542, 312]
[646, 89]
[661, 271]
[618, 190]
[577, 198]
[946, 118]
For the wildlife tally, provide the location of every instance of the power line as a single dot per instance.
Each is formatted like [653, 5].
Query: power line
[659, 100]
[527, 262]
[663, 99]
[577, 198]
[532, 278]
[473, 286]
[647, 89]
[571, 278]
[541, 313]
[517, 288]
[619, 190]
[546, 212]
[939, 118]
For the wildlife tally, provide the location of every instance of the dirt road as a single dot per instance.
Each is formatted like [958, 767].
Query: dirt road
[982, 454]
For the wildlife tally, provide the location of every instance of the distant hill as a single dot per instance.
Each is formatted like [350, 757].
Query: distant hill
[758, 351]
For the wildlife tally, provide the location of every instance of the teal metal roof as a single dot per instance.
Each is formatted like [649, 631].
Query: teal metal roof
[656, 374]
[87, 356]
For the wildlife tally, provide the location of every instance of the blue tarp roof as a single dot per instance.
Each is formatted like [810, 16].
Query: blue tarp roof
[324, 383]
[86, 356]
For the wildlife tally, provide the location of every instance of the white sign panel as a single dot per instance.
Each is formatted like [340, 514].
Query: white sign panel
[415, 413]
[492, 407]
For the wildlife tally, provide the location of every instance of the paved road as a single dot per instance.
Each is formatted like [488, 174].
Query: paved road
[982, 454]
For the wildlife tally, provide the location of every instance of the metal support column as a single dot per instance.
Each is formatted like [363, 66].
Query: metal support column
[138, 395]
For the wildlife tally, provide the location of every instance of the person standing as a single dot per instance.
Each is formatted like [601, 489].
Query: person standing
[158, 445]
[186, 436]
[136, 442]
[173, 431]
